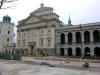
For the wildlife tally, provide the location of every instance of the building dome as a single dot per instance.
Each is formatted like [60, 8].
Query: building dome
[7, 18]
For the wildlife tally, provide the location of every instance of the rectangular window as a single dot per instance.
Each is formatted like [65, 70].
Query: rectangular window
[19, 43]
[49, 42]
[41, 42]
[23, 43]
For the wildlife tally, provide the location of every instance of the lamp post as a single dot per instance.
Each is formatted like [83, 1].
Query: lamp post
[46, 35]
[81, 41]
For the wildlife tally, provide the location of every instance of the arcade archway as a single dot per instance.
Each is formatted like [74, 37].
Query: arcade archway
[87, 51]
[78, 51]
[70, 51]
[97, 51]
[62, 51]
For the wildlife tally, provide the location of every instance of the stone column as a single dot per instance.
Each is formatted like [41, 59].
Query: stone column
[91, 36]
[82, 51]
[58, 37]
[74, 51]
[92, 52]
[73, 37]
[82, 36]
[65, 51]
[66, 37]
[21, 42]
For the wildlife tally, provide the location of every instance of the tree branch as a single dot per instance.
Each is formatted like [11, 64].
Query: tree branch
[6, 1]
[1, 3]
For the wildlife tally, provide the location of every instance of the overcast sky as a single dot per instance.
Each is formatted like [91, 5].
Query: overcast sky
[80, 11]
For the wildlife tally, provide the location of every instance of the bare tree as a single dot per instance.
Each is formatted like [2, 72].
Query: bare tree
[5, 1]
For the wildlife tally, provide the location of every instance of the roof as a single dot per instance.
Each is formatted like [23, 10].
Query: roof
[62, 24]
[42, 8]
[6, 16]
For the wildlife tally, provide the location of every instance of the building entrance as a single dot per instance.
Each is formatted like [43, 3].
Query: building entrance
[32, 50]
[31, 47]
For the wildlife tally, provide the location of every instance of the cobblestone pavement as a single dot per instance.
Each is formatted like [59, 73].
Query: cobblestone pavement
[31, 66]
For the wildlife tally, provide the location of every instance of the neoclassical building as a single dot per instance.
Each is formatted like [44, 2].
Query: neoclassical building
[77, 40]
[42, 33]
[36, 33]
[6, 33]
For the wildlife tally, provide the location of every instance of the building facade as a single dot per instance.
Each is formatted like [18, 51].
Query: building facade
[78, 40]
[36, 33]
[6, 33]
[42, 33]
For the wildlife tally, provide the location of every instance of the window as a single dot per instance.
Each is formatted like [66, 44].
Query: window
[41, 42]
[49, 42]
[7, 39]
[49, 30]
[42, 31]
[18, 43]
[8, 32]
[0, 31]
[24, 34]
[23, 43]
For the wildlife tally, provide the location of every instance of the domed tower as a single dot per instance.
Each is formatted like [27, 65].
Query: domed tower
[6, 33]
[7, 19]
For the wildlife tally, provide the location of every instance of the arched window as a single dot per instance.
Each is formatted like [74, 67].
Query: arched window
[7, 39]
[62, 38]
[87, 37]
[8, 32]
[69, 38]
[78, 37]
[96, 36]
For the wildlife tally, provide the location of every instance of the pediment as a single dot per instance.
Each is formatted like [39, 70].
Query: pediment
[31, 19]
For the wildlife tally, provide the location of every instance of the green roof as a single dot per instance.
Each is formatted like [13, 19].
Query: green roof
[6, 18]
[62, 24]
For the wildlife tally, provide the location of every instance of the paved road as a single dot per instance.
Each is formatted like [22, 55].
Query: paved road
[31, 66]
[61, 62]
